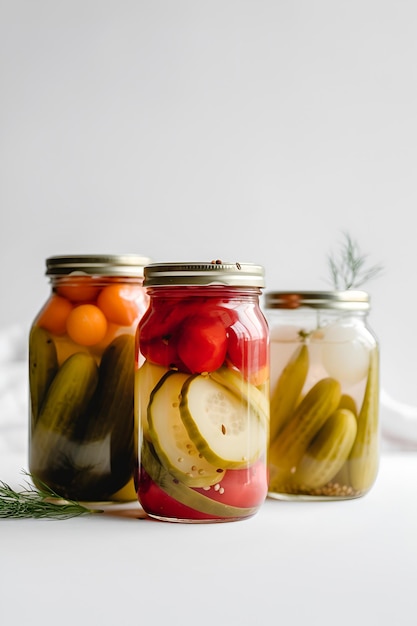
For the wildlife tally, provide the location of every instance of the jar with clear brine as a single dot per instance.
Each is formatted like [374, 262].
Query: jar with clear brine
[324, 395]
[202, 393]
[83, 439]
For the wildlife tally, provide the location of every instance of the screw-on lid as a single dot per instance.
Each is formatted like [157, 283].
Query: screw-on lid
[340, 300]
[213, 273]
[130, 265]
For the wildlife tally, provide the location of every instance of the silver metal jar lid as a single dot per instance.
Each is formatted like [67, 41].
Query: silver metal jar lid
[338, 300]
[129, 265]
[197, 274]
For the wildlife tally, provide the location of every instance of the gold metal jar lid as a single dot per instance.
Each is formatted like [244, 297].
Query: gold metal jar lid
[129, 265]
[198, 274]
[337, 300]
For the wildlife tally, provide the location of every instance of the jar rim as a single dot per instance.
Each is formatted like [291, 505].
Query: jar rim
[96, 265]
[189, 273]
[348, 300]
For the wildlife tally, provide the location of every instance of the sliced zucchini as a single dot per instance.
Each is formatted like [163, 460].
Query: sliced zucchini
[225, 429]
[175, 449]
[234, 381]
[146, 379]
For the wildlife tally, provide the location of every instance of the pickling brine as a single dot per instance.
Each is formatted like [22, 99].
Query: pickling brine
[81, 377]
[324, 395]
[202, 393]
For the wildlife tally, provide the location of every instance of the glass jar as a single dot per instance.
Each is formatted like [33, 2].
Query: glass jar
[82, 442]
[324, 395]
[202, 392]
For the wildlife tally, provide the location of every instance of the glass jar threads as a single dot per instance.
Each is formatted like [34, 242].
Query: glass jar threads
[202, 392]
[81, 377]
[324, 395]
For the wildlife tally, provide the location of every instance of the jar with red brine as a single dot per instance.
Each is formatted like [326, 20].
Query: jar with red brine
[201, 393]
[83, 440]
[324, 394]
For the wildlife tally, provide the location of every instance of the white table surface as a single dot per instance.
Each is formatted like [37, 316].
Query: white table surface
[294, 563]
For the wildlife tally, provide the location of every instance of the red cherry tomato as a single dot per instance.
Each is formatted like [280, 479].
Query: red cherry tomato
[169, 328]
[248, 350]
[202, 343]
[161, 351]
[164, 316]
[156, 336]
[242, 487]
[219, 311]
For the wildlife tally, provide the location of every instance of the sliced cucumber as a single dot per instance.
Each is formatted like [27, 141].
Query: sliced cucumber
[186, 495]
[254, 397]
[176, 451]
[146, 379]
[225, 429]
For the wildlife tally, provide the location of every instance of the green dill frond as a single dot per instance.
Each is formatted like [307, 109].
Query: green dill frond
[38, 503]
[348, 268]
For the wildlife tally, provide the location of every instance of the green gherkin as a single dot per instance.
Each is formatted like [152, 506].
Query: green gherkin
[288, 389]
[43, 365]
[364, 457]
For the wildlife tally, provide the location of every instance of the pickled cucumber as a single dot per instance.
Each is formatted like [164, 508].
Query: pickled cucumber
[225, 431]
[170, 438]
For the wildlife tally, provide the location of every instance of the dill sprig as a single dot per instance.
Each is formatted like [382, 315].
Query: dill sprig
[42, 502]
[348, 270]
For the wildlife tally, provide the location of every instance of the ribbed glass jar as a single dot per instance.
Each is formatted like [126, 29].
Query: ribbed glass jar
[202, 393]
[82, 438]
[324, 395]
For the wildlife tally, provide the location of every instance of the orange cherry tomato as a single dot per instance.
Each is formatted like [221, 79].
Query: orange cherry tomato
[121, 303]
[86, 325]
[80, 289]
[54, 314]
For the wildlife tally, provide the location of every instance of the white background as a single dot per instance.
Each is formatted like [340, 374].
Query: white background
[248, 130]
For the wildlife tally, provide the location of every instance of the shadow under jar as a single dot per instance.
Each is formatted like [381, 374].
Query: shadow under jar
[202, 393]
[83, 440]
[324, 395]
